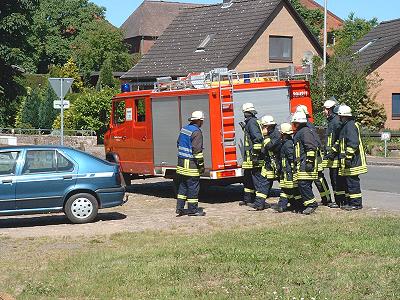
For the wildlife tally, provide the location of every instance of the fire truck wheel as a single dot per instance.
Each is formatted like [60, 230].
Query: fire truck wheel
[127, 179]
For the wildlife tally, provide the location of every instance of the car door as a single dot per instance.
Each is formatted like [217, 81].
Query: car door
[45, 178]
[8, 167]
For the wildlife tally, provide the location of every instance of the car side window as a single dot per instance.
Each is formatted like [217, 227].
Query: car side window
[40, 161]
[8, 162]
[63, 164]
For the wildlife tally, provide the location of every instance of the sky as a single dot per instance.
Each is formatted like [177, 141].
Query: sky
[119, 10]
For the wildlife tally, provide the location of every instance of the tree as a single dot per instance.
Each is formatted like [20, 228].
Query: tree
[29, 111]
[99, 42]
[47, 113]
[56, 26]
[106, 77]
[348, 85]
[70, 70]
[90, 111]
[314, 18]
[353, 29]
[15, 24]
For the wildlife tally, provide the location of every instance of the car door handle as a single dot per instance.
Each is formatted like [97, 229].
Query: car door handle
[67, 177]
[5, 181]
[124, 137]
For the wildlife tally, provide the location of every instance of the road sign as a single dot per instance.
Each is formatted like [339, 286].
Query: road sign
[57, 104]
[386, 136]
[61, 89]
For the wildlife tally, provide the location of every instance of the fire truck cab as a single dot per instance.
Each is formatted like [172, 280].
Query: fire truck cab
[144, 125]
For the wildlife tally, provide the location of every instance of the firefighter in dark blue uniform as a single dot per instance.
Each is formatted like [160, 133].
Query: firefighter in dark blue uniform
[255, 185]
[331, 159]
[271, 149]
[306, 161]
[320, 183]
[289, 189]
[352, 161]
[190, 165]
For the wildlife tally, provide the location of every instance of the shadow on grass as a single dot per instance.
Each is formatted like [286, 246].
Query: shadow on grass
[45, 220]
[208, 193]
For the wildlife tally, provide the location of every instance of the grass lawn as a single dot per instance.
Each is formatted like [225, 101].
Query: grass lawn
[349, 257]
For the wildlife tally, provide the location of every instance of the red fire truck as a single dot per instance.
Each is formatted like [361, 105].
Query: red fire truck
[145, 124]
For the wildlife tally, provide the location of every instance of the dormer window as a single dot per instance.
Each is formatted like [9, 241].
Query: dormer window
[203, 44]
[226, 3]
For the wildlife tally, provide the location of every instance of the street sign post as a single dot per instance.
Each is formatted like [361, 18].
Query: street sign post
[57, 104]
[61, 87]
[386, 136]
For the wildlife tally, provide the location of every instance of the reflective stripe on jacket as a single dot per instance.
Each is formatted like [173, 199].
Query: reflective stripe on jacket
[253, 139]
[352, 156]
[306, 150]
[190, 151]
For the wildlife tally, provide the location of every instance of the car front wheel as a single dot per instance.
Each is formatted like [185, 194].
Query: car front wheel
[81, 208]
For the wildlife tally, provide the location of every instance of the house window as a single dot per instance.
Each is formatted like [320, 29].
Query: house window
[280, 49]
[396, 106]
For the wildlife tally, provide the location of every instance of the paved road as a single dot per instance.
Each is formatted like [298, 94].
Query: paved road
[381, 187]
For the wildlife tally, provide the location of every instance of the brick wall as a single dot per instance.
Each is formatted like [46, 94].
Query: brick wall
[389, 72]
[257, 58]
[79, 142]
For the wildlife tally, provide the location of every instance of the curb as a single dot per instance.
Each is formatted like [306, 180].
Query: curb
[374, 161]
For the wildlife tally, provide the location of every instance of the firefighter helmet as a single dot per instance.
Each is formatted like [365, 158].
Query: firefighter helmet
[268, 120]
[344, 111]
[330, 103]
[302, 108]
[197, 115]
[286, 128]
[299, 117]
[249, 107]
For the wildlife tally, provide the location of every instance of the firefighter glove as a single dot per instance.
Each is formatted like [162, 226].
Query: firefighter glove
[347, 162]
[309, 165]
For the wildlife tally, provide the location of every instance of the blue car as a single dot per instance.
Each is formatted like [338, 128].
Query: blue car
[45, 179]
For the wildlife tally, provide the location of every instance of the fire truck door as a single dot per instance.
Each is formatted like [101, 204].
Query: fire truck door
[268, 101]
[121, 134]
[199, 102]
[141, 138]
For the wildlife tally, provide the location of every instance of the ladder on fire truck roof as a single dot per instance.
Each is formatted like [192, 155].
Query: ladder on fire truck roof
[213, 78]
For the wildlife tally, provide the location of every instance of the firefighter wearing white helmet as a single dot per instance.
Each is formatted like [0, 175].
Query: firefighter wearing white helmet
[306, 163]
[352, 161]
[255, 186]
[320, 183]
[190, 165]
[271, 148]
[289, 189]
[331, 159]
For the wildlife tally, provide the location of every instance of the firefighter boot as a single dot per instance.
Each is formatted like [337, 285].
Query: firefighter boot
[309, 210]
[180, 207]
[195, 211]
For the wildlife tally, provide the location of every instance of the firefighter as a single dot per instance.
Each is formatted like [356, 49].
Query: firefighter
[289, 190]
[306, 161]
[331, 159]
[271, 149]
[190, 165]
[255, 185]
[320, 183]
[352, 161]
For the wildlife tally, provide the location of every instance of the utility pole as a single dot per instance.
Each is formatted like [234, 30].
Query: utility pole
[325, 30]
